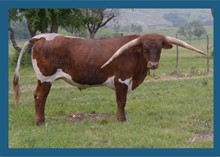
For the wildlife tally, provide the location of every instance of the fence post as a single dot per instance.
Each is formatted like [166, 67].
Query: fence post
[207, 49]
[176, 71]
[177, 56]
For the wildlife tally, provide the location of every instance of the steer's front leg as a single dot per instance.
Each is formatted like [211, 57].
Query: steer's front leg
[121, 96]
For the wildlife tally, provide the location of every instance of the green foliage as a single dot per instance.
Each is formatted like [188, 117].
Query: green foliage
[74, 22]
[26, 59]
[198, 29]
[37, 18]
[194, 28]
[94, 19]
[186, 31]
[42, 19]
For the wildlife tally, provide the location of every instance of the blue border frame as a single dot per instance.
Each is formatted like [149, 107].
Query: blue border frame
[5, 5]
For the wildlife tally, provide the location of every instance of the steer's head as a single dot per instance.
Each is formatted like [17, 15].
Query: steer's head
[151, 46]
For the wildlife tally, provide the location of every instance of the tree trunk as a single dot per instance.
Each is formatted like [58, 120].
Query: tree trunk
[92, 34]
[12, 37]
[31, 29]
[54, 24]
[54, 27]
[44, 29]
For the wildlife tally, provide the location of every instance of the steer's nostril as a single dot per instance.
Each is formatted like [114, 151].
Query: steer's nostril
[152, 65]
[155, 64]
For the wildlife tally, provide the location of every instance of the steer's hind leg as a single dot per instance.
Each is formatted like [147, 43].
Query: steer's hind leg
[121, 96]
[40, 97]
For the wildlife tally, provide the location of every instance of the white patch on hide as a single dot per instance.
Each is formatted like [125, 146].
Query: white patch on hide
[51, 36]
[127, 82]
[47, 36]
[110, 82]
[58, 74]
[74, 37]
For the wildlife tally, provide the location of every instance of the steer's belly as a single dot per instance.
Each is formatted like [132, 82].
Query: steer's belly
[109, 83]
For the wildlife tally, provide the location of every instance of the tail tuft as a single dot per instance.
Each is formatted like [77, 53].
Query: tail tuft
[16, 87]
[16, 75]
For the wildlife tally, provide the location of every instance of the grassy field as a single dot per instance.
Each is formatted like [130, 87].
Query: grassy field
[164, 112]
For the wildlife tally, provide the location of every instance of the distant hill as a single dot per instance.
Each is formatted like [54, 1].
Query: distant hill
[160, 18]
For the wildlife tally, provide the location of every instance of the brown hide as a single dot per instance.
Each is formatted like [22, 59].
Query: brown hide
[80, 58]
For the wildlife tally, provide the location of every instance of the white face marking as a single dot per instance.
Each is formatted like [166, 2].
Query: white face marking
[127, 82]
[47, 36]
[110, 82]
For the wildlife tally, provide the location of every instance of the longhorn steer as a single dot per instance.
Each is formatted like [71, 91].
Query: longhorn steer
[120, 63]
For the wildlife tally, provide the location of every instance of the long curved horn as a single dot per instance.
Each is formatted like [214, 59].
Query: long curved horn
[125, 47]
[181, 43]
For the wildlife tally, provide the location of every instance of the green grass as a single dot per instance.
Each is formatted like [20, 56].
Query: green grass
[160, 113]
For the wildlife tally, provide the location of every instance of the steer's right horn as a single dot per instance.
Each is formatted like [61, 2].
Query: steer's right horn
[181, 43]
[122, 50]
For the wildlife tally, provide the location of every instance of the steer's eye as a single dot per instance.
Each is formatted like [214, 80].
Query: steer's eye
[145, 48]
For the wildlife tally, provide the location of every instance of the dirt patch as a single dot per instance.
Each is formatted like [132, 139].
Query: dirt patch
[78, 117]
[201, 137]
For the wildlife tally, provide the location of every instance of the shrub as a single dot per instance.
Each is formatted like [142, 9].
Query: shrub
[25, 62]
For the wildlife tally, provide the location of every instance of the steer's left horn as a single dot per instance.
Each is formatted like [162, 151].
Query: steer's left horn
[122, 49]
[181, 43]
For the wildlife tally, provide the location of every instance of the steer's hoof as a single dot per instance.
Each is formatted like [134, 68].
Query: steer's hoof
[121, 118]
[39, 122]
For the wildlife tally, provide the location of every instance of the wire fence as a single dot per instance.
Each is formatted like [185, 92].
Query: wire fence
[205, 44]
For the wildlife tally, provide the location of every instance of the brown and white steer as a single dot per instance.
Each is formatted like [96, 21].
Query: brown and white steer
[121, 63]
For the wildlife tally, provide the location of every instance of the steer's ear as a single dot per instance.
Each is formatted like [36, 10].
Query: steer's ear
[167, 46]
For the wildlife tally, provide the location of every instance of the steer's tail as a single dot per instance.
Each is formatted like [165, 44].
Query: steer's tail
[17, 75]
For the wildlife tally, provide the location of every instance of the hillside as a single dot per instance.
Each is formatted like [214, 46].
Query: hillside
[161, 18]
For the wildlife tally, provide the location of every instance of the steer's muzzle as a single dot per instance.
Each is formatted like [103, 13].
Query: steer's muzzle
[153, 65]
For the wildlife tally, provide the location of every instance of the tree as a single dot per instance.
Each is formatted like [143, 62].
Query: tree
[74, 22]
[97, 18]
[13, 16]
[37, 20]
[136, 28]
[198, 29]
[49, 20]
[186, 31]
[194, 28]
[41, 19]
